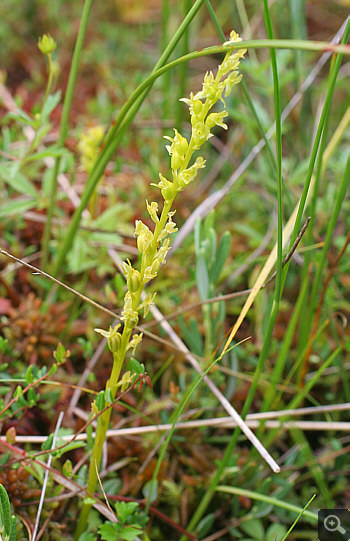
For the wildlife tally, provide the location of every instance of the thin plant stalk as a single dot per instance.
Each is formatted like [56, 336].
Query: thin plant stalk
[298, 518]
[118, 360]
[164, 40]
[64, 126]
[186, 6]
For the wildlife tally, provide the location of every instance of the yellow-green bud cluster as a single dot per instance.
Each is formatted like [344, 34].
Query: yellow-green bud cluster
[202, 122]
[88, 146]
[46, 44]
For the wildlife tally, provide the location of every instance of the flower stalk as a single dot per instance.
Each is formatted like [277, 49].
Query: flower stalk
[154, 246]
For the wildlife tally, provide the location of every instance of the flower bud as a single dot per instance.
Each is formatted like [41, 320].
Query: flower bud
[197, 107]
[176, 161]
[133, 280]
[155, 266]
[46, 44]
[114, 342]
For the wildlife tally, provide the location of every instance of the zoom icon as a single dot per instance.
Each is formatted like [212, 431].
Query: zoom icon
[334, 525]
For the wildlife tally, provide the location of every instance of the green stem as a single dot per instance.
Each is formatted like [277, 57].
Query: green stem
[102, 427]
[49, 81]
[164, 40]
[64, 126]
[181, 90]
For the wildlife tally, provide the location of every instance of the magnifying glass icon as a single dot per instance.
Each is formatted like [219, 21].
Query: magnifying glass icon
[332, 524]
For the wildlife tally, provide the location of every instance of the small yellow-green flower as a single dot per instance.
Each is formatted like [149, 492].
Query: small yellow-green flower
[113, 337]
[88, 146]
[46, 44]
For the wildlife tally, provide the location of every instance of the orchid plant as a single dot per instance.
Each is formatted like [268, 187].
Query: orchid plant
[154, 245]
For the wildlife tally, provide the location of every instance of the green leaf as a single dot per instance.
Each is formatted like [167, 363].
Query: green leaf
[150, 490]
[29, 375]
[49, 105]
[89, 501]
[67, 468]
[87, 536]
[53, 369]
[135, 367]
[130, 533]
[202, 278]
[51, 152]
[209, 224]
[125, 510]
[16, 207]
[47, 444]
[109, 218]
[4, 459]
[197, 235]
[192, 335]
[204, 526]
[81, 477]
[5, 510]
[114, 531]
[31, 397]
[10, 171]
[90, 440]
[212, 244]
[254, 528]
[69, 447]
[21, 116]
[18, 392]
[4, 389]
[275, 532]
[13, 529]
[100, 400]
[60, 354]
[220, 257]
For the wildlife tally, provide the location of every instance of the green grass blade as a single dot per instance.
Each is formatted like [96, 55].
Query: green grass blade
[298, 518]
[64, 125]
[312, 517]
